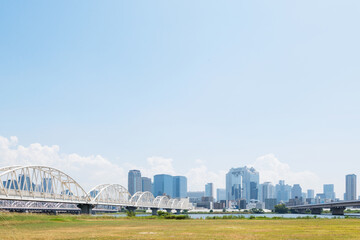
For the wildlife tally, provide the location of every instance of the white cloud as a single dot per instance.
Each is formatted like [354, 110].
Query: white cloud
[95, 169]
[88, 171]
[272, 169]
[199, 176]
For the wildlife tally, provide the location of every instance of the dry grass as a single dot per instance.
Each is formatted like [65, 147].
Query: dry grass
[16, 226]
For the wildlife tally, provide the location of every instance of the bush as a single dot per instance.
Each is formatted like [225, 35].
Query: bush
[257, 211]
[281, 208]
[163, 213]
[130, 213]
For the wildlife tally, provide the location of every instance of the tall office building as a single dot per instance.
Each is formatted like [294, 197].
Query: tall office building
[163, 185]
[242, 183]
[310, 193]
[209, 187]
[350, 193]
[220, 194]
[267, 191]
[179, 187]
[134, 181]
[329, 191]
[296, 191]
[282, 191]
[146, 184]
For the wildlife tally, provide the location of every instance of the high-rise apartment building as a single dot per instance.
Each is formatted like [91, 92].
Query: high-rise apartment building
[242, 183]
[146, 184]
[209, 190]
[134, 181]
[350, 193]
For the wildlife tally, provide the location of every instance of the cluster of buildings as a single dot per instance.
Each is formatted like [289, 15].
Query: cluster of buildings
[243, 190]
[162, 184]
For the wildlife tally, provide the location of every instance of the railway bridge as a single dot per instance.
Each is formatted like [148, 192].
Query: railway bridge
[44, 188]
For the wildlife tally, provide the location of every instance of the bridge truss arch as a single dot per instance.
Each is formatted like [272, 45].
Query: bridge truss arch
[142, 199]
[173, 203]
[40, 183]
[161, 201]
[183, 204]
[105, 194]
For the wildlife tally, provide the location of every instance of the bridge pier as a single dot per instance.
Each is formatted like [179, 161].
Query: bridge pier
[168, 210]
[337, 210]
[301, 211]
[131, 209]
[85, 208]
[316, 210]
[178, 211]
[154, 211]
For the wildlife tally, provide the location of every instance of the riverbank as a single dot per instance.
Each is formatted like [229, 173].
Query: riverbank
[32, 226]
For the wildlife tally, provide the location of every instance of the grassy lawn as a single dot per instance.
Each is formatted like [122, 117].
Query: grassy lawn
[32, 226]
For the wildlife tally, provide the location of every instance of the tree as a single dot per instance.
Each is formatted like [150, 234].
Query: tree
[257, 211]
[281, 208]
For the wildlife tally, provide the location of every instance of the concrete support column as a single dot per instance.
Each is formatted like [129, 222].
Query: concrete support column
[85, 208]
[337, 210]
[168, 210]
[301, 211]
[131, 209]
[316, 210]
[178, 211]
[154, 211]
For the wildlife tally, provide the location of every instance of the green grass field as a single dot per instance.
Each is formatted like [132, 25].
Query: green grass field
[32, 226]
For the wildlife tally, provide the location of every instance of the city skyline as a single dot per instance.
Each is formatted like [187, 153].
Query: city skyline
[190, 91]
[10, 147]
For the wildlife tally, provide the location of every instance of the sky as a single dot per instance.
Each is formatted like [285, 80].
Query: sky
[192, 88]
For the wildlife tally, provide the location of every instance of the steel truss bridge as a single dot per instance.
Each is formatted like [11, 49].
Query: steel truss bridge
[46, 189]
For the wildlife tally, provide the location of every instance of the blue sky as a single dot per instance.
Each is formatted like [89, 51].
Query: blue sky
[218, 82]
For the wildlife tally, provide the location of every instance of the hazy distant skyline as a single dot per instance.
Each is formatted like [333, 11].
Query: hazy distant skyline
[193, 88]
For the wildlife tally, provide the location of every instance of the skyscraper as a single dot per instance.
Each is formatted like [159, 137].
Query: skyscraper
[209, 190]
[134, 181]
[310, 193]
[220, 194]
[329, 191]
[350, 193]
[163, 185]
[267, 191]
[179, 187]
[282, 191]
[296, 191]
[242, 183]
[146, 184]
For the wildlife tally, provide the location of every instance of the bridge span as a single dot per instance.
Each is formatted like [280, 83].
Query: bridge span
[26, 186]
[336, 208]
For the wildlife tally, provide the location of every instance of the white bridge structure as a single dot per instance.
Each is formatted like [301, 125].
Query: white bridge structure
[44, 188]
